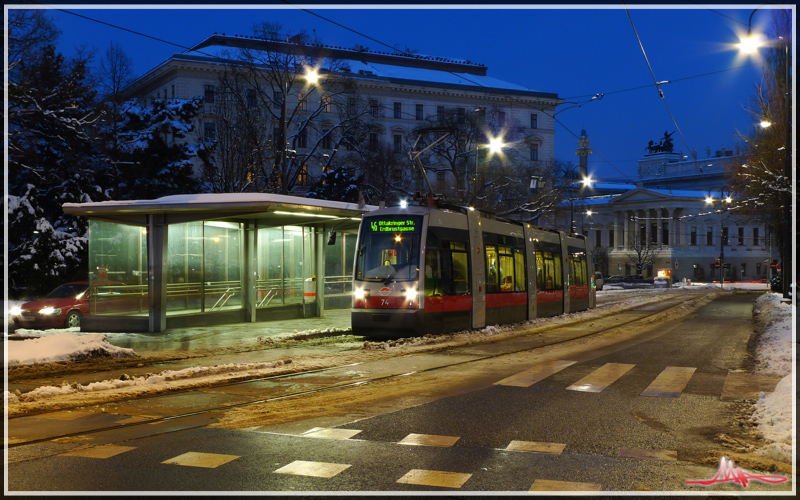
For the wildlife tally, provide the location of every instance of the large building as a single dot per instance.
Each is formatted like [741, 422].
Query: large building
[392, 94]
[675, 216]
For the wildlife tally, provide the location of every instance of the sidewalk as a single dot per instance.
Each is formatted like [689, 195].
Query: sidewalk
[204, 346]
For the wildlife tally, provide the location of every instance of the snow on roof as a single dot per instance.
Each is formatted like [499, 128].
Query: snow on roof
[403, 72]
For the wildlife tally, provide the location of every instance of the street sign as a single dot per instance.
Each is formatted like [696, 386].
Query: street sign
[716, 265]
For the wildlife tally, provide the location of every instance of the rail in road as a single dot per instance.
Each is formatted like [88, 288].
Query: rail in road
[285, 384]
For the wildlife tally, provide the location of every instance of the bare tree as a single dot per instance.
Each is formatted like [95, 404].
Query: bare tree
[29, 30]
[303, 118]
[641, 254]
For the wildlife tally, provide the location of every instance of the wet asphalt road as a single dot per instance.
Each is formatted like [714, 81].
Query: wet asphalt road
[614, 439]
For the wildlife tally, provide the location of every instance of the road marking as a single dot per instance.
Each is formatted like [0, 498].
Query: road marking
[535, 374]
[601, 378]
[548, 485]
[429, 440]
[314, 469]
[105, 451]
[205, 460]
[329, 433]
[65, 415]
[671, 455]
[741, 385]
[670, 383]
[435, 478]
[536, 447]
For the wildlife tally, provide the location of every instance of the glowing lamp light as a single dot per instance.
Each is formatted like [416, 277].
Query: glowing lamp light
[587, 181]
[765, 124]
[397, 238]
[312, 76]
[709, 200]
[496, 145]
[750, 44]
[403, 204]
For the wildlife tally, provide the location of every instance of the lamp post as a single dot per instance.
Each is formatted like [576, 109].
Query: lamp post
[495, 146]
[750, 44]
[722, 200]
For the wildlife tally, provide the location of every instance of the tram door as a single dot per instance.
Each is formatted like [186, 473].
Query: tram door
[448, 301]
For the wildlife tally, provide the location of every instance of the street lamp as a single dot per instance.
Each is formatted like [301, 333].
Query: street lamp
[495, 146]
[710, 201]
[751, 44]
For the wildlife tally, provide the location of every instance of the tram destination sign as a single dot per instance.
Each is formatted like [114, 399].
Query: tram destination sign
[393, 226]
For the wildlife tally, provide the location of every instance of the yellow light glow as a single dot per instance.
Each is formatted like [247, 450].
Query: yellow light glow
[709, 199]
[587, 181]
[397, 238]
[496, 144]
[765, 123]
[312, 76]
[216, 239]
[750, 44]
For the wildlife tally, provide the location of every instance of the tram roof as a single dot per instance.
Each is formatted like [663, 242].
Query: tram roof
[275, 209]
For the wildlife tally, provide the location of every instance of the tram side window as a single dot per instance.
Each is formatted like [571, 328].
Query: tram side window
[549, 271]
[506, 269]
[460, 268]
[492, 271]
[520, 284]
[577, 263]
[433, 273]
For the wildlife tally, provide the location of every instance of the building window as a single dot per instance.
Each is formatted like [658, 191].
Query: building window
[302, 176]
[755, 236]
[534, 120]
[373, 141]
[398, 110]
[710, 237]
[325, 102]
[374, 107]
[210, 131]
[598, 236]
[725, 236]
[277, 97]
[351, 105]
[398, 143]
[534, 152]
[440, 113]
[327, 141]
[302, 103]
[420, 115]
[250, 98]
[210, 94]
[302, 139]
[693, 236]
[440, 180]
[461, 116]
[741, 236]
[611, 241]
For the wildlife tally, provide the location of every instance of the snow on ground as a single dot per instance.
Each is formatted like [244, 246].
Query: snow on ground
[775, 354]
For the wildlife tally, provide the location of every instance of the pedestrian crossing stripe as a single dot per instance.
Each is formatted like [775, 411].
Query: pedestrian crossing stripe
[104, 451]
[536, 447]
[429, 440]
[550, 485]
[331, 433]
[314, 469]
[435, 478]
[205, 460]
[601, 378]
[535, 374]
[670, 383]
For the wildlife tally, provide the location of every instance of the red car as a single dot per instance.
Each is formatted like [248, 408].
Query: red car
[63, 307]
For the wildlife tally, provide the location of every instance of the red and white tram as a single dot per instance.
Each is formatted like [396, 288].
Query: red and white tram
[422, 270]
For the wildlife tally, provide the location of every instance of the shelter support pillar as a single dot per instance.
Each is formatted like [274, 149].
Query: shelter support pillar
[157, 236]
[250, 270]
[319, 266]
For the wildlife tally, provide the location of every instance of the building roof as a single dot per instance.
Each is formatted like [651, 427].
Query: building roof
[397, 68]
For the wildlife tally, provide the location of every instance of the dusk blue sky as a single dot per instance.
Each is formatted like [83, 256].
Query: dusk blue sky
[573, 52]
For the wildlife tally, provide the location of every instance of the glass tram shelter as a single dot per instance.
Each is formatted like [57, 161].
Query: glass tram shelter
[209, 259]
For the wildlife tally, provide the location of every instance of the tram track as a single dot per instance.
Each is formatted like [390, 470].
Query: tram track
[640, 314]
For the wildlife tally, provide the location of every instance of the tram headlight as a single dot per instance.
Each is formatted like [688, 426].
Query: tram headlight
[359, 293]
[411, 294]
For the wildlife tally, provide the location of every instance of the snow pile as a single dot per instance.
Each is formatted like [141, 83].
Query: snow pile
[126, 381]
[773, 413]
[63, 347]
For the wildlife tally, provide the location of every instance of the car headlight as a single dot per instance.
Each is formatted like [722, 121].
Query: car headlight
[47, 311]
[15, 311]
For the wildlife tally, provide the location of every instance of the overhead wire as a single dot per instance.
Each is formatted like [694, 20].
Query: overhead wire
[655, 81]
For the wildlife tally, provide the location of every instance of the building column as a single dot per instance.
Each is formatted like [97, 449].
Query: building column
[647, 230]
[659, 227]
[615, 244]
[627, 225]
[157, 236]
[672, 242]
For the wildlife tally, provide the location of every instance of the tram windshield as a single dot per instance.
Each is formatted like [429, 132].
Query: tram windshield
[389, 248]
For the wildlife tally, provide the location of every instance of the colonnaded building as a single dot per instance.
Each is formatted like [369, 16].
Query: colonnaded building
[676, 216]
[359, 100]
